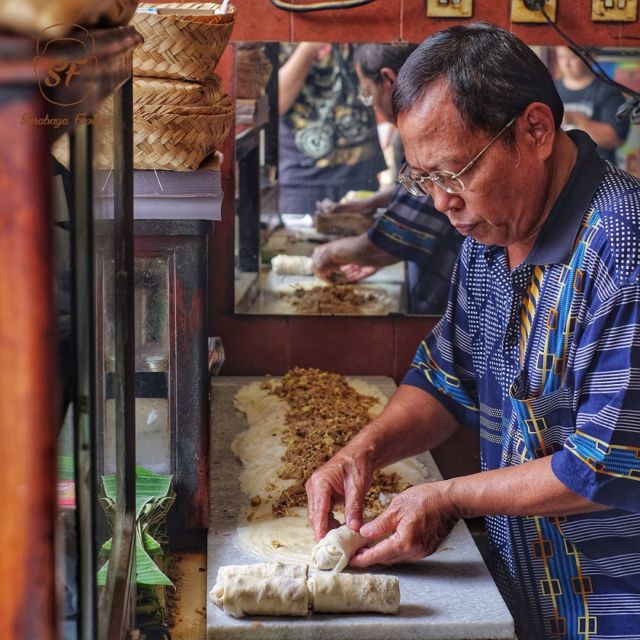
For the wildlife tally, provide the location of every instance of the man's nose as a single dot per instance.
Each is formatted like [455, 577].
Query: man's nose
[444, 201]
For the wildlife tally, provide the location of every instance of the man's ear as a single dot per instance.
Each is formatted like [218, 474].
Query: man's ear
[388, 75]
[539, 128]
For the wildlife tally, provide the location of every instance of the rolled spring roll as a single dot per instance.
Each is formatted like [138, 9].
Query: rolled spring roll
[258, 570]
[336, 549]
[353, 593]
[292, 265]
[274, 596]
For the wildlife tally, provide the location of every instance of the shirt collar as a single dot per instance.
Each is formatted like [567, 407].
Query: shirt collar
[556, 239]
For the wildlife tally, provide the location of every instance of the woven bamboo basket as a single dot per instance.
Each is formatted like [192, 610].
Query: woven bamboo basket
[176, 138]
[181, 46]
[253, 70]
[179, 138]
[164, 91]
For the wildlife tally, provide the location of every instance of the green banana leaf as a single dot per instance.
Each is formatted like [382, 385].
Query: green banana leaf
[147, 571]
[154, 497]
[151, 546]
[149, 486]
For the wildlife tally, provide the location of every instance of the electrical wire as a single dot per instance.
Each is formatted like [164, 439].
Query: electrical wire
[631, 108]
[318, 6]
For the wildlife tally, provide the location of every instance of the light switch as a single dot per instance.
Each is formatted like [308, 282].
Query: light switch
[520, 12]
[449, 8]
[614, 10]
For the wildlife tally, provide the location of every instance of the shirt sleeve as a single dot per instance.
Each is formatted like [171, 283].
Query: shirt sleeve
[601, 459]
[442, 364]
[411, 229]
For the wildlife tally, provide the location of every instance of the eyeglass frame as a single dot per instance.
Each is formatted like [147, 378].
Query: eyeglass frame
[408, 181]
[366, 99]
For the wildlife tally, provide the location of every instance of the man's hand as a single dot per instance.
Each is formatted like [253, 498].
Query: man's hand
[356, 272]
[342, 479]
[416, 521]
[326, 260]
[354, 258]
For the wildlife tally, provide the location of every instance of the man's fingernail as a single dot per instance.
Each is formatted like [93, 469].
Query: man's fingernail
[364, 531]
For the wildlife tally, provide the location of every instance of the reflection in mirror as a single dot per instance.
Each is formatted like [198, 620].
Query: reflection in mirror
[321, 225]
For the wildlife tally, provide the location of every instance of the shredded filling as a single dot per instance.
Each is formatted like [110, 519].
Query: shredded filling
[323, 413]
[336, 299]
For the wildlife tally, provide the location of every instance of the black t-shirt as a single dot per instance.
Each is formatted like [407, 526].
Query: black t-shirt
[599, 101]
[328, 137]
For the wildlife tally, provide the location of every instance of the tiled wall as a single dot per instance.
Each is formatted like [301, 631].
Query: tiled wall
[394, 20]
[256, 345]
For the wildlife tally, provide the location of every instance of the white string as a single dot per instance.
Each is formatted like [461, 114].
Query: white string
[157, 178]
[104, 186]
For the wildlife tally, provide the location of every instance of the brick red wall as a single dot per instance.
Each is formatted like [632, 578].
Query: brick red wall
[257, 345]
[393, 20]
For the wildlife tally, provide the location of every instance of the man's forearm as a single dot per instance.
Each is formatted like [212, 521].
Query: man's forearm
[412, 422]
[360, 250]
[528, 489]
[293, 73]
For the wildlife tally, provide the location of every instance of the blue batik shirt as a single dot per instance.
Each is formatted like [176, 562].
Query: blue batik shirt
[411, 229]
[544, 360]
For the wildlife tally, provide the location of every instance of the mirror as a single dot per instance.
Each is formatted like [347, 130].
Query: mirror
[335, 127]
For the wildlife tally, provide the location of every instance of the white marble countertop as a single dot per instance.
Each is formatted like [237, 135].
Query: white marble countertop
[447, 596]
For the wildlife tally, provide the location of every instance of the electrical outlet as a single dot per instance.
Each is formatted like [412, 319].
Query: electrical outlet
[521, 13]
[449, 8]
[614, 10]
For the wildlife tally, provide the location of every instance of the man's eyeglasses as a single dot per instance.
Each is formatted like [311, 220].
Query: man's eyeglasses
[365, 98]
[448, 181]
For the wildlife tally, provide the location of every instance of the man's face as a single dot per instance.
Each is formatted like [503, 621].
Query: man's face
[504, 191]
[570, 65]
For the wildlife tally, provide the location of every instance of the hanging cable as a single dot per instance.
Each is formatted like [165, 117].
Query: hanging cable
[318, 6]
[631, 108]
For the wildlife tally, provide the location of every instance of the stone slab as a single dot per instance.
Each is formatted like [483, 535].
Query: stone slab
[447, 596]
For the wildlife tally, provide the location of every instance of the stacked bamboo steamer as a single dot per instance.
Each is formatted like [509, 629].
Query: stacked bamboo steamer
[253, 70]
[181, 113]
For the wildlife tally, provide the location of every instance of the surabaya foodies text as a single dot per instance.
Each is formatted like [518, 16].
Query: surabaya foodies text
[78, 119]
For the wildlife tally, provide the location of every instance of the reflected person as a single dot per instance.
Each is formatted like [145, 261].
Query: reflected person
[538, 351]
[590, 104]
[328, 140]
[410, 229]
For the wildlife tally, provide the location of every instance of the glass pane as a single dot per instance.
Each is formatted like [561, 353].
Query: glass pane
[152, 364]
[67, 526]
[152, 358]
[327, 148]
[104, 308]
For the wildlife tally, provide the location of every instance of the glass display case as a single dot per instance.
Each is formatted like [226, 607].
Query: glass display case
[48, 416]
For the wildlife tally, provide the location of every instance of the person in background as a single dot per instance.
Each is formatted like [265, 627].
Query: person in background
[328, 140]
[538, 350]
[410, 229]
[590, 104]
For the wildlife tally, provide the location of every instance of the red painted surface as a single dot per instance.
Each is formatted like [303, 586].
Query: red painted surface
[256, 345]
[393, 20]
